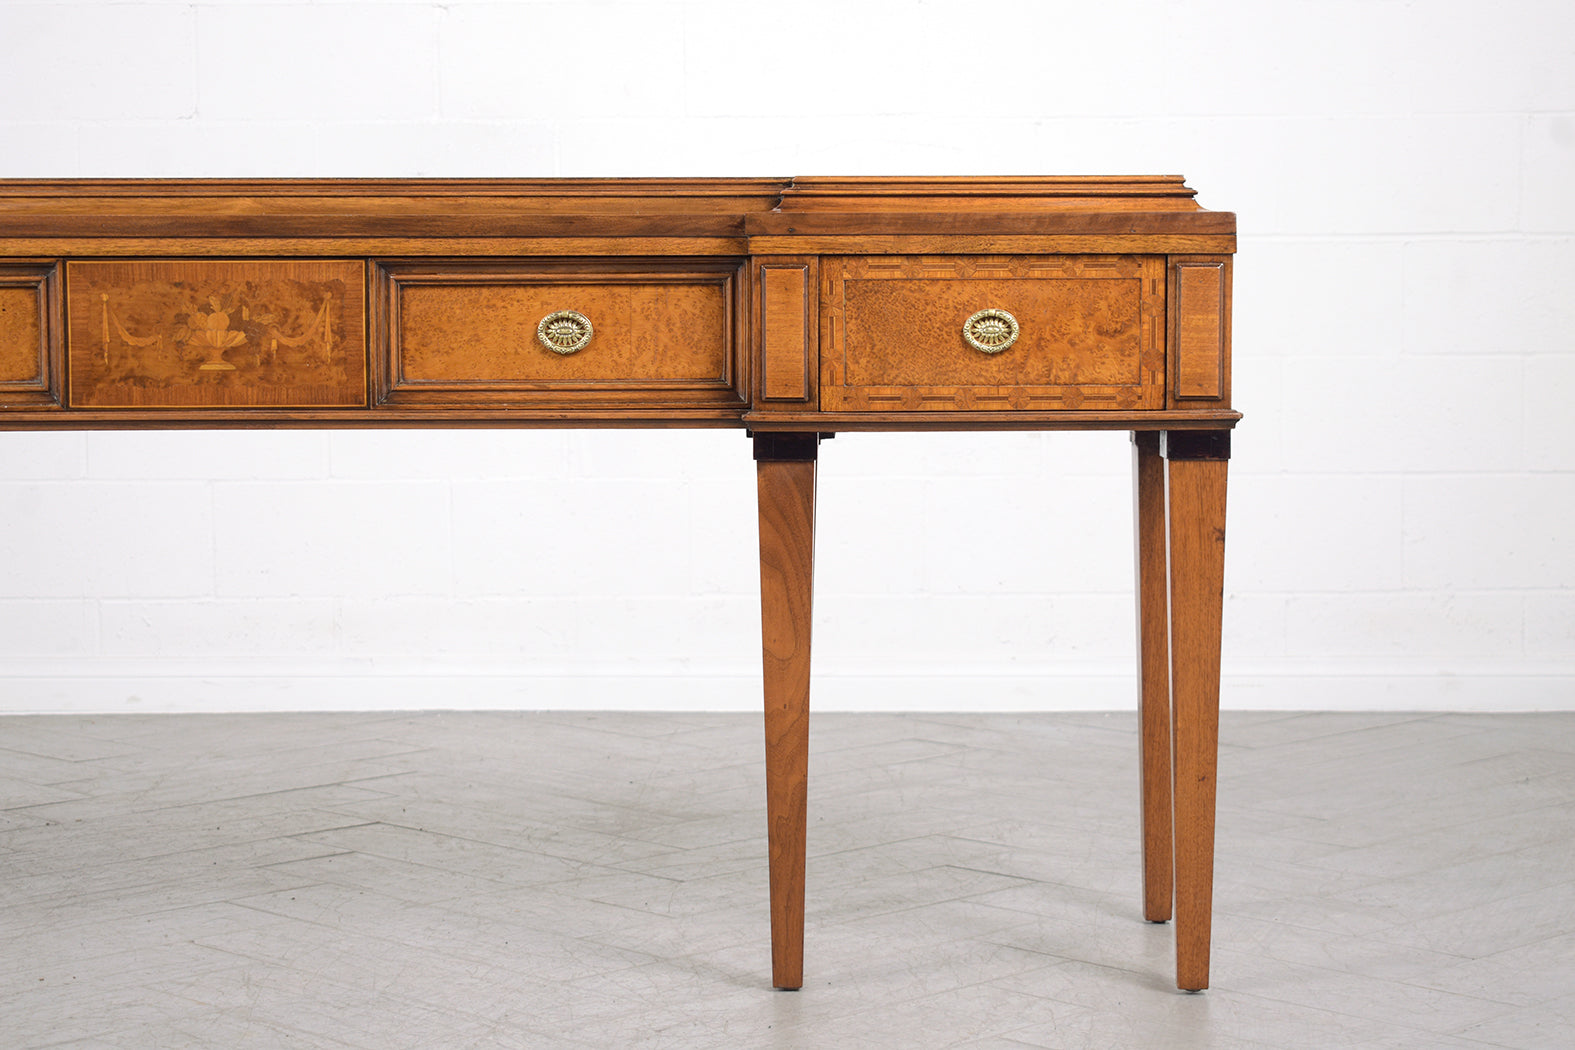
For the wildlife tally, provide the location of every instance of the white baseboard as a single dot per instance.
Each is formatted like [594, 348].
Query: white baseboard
[1526, 689]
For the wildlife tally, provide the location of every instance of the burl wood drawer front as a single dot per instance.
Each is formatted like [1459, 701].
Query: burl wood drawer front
[578, 332]
[1089, 333]
[197, 333]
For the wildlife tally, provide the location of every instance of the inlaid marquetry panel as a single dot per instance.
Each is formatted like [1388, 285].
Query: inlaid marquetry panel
[471, 333]
[1090, 333]
[28, 335]
[199, 333]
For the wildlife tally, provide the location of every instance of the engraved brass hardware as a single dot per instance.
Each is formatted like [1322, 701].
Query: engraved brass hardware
[564, 331]
[990, 331]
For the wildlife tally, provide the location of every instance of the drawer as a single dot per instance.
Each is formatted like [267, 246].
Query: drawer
[993, 333]
[199, 333]
[626, 332]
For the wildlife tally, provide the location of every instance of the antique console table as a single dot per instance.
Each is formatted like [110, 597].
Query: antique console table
[793, 308]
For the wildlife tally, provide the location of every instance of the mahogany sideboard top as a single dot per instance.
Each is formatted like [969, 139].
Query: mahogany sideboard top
[794, 308]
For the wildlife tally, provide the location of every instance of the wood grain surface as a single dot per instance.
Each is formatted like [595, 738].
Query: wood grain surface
[787, 293]
[172, 334]
[665, 332]
[1153, 630]
[21, 334]
[1199, 329]
[794, 307]
[786, 491]
[1195, 495]
[1091, 333]
[32, 343]
[1084, 254]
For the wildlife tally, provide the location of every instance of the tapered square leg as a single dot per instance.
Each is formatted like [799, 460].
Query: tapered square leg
[1153, 630]
[1196, 467]
[785, 473]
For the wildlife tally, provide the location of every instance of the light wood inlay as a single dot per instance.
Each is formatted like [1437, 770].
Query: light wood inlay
[199, 334]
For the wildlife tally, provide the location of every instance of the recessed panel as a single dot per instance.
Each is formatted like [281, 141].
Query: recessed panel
[785, 336]
[1200, 330]
[657, 330]
[995, 333]
[29, 336]
[21, 336]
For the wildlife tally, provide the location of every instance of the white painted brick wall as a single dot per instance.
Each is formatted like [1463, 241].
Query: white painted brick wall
[320, 63]
[1402, 488]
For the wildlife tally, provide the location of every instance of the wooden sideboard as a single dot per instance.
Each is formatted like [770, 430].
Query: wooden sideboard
[792, 308]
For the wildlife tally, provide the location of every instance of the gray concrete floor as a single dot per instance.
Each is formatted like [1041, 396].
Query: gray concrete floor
[542, 880]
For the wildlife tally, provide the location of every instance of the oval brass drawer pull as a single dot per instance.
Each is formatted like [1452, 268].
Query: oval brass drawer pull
[991, 331]
[564, 331]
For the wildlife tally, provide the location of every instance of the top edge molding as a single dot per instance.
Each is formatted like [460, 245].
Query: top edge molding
[72, 209]
[417, 187]
[994, 186]
[801, 186]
